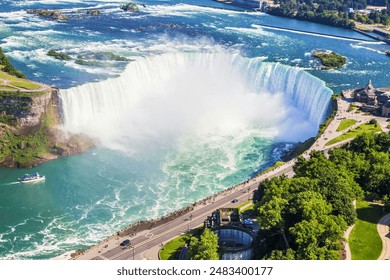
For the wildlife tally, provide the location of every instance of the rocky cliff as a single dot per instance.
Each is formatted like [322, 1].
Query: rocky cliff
[30, 131]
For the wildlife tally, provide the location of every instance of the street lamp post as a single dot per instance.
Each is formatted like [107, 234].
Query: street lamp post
[133, 251]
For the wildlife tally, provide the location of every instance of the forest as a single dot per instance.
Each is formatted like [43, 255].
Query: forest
[304, 217]
[332, 12]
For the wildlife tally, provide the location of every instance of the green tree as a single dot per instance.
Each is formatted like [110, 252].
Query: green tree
[318, 239]
[8, 67]
[335, 184]
[288, 254]
[297, 221]
[205, 248]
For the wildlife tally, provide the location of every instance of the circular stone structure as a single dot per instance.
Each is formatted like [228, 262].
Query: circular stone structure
[236, 242]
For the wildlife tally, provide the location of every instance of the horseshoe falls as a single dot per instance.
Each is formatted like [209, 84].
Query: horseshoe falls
[173, 95]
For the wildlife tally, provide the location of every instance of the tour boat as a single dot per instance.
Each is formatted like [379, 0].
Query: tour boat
[31, 178]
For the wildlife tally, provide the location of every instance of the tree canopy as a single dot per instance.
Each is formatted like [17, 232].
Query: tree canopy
[304, 217]
[8, 67]
[205, 248]
[332, 12]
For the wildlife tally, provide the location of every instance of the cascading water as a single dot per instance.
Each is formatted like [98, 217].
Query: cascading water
[175, 93]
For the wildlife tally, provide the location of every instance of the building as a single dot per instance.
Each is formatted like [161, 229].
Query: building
[229, 216]
[237, 243]
[235, 234]
[375, 100]
[386, 109]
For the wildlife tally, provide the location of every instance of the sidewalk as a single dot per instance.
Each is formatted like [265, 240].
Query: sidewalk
[384, 233]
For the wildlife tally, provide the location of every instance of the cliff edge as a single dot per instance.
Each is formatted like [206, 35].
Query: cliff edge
[30, 131]
[30, 120]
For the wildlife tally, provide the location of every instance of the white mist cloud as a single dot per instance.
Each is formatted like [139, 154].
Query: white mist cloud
[159, 100]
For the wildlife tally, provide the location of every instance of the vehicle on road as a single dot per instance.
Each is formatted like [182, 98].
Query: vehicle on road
[125, 243]
[235, 200]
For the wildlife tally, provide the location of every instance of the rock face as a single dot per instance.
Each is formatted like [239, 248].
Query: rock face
[93, 12]
[38, 107]
[28, 111]
[34, 136]
[130, 7]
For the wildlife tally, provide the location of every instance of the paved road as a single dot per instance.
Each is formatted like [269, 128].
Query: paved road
[161, 234]
[383, 230]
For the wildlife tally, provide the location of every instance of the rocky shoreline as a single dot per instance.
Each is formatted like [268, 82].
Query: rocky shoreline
[34, 136]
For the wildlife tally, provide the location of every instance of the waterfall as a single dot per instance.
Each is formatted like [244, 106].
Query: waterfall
[308, 93]
[184, 84]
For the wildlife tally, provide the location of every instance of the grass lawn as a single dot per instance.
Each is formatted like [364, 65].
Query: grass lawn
[247, 205]
[169, 251]
[345, 124]
[364, 240]
[6, 76]
[25, 85]
[6, 88]
[276, 165]
[17, 93]
[15, 81]
[366, 127]
[351, 108]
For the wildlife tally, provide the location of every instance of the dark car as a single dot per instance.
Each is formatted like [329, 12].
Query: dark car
[125, 242]
[234, 200]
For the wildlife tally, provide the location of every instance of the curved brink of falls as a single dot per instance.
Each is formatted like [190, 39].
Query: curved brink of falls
[94, 107]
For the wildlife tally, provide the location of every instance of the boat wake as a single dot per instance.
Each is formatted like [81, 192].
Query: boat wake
[10, 184]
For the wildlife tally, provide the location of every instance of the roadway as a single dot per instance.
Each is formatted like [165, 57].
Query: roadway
[148, 239]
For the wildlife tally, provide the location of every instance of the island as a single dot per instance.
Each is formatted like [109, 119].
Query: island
[329, 59]
[59, 55]
[108, 56]
[130, 7]
[53, 14]
[93, 12]
[100, 59]
[30, 121]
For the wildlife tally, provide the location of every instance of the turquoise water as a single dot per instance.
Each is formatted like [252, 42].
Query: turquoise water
[158, 152]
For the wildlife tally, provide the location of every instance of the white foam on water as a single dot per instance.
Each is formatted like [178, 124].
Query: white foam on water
[364, 46]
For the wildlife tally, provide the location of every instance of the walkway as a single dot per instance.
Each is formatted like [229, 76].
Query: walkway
[384, 233]
[347, 249]
[342, 113]
[7, 83]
